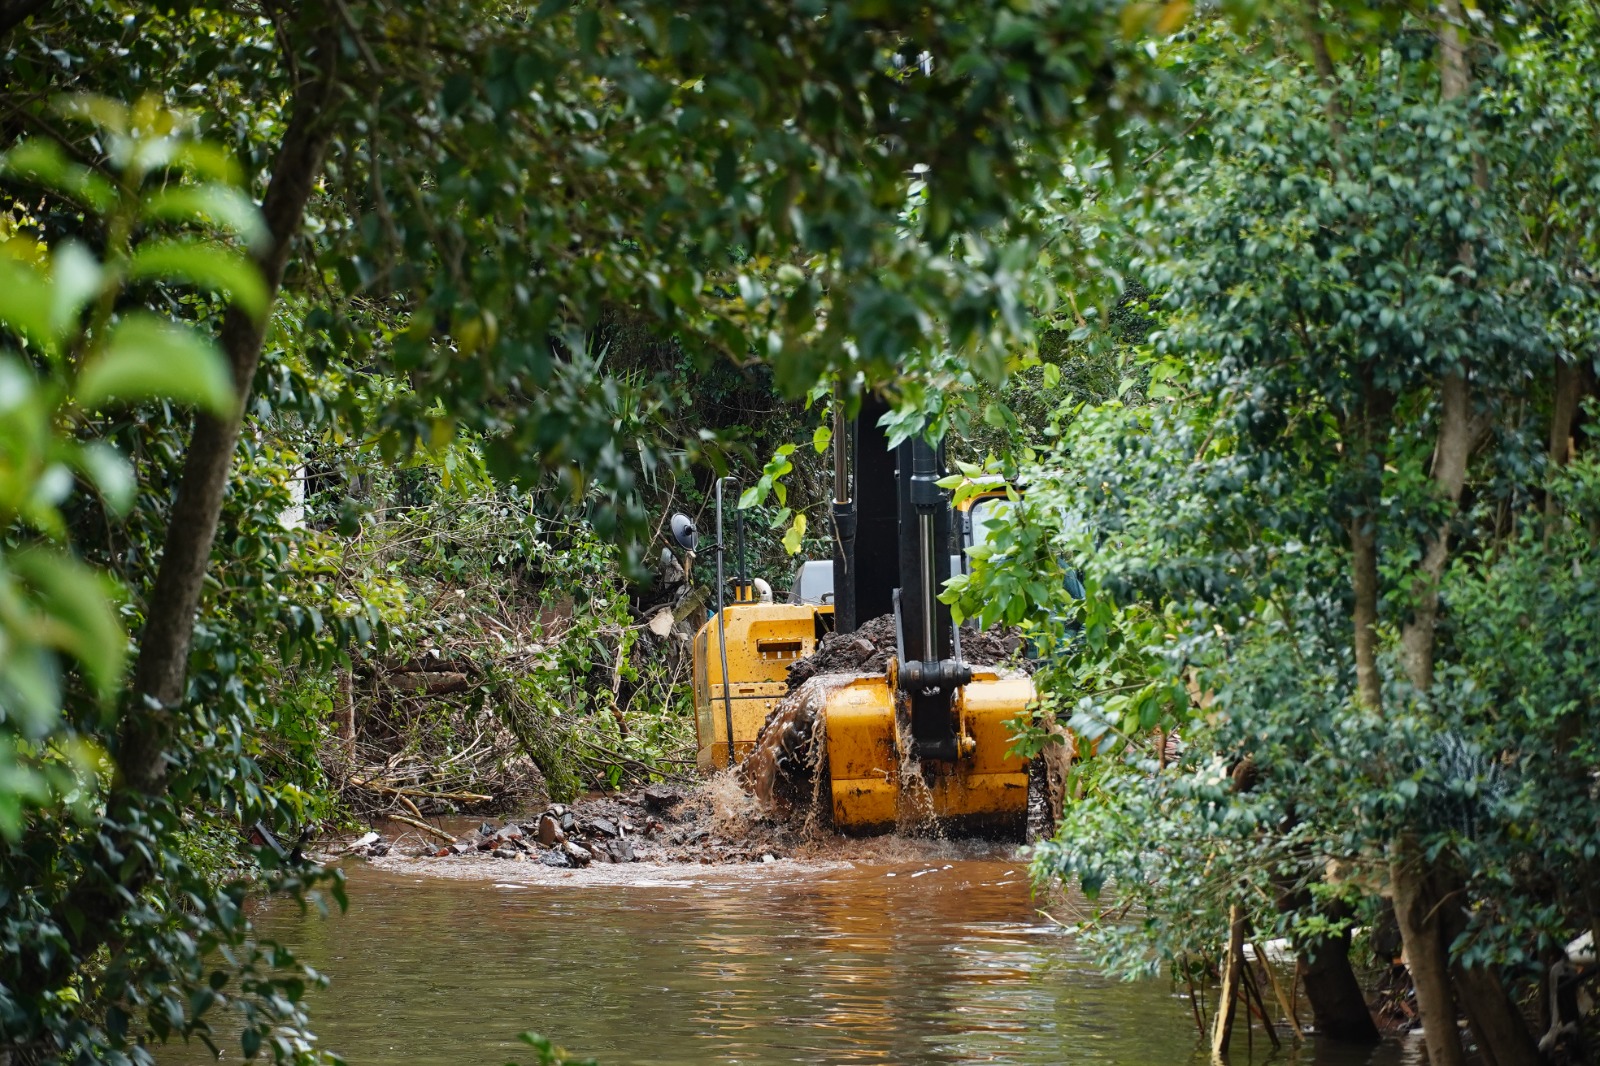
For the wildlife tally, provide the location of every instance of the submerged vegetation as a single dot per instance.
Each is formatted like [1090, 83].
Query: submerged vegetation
[351, 356]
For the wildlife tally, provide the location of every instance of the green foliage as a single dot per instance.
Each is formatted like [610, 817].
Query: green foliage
[79, 354]
[1313, 301]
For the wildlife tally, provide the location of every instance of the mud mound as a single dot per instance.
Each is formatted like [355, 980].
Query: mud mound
[868, 649]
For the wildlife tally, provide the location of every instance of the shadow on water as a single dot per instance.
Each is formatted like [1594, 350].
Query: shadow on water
[942, 962]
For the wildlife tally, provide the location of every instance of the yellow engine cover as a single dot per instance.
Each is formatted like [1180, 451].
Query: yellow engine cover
[875, 789]
[762, 640]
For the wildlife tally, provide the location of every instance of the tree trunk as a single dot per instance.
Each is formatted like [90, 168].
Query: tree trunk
[1364, 583]
[1339, 1006]
[161, 670]
[1326, 74]
[345, 715]
[1232, 973]
[1498, 1026]
[1363, 433]
[1564, 410]
[1417, 908]
[1457, 437]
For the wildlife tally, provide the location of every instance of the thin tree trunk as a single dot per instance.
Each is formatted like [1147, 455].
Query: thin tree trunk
[1564, 412]
[1325, 69]
[1232, 973]
[1457, 437]
[1417, 908]
[345, 714]
[161, 670]
[1364, 583]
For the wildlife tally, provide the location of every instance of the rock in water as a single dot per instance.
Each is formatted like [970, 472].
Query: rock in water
[579, 856]
[660, 797]
[556, 858]
[550, 833]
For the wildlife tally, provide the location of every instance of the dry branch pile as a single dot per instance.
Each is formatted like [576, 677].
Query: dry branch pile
[519, 671]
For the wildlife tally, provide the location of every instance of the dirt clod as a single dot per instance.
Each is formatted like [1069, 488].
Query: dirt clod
[868, 649]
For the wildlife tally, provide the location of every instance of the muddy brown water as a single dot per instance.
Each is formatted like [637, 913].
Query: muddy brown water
[941, 959]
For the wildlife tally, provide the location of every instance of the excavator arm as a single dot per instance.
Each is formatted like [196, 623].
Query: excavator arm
[925, 746]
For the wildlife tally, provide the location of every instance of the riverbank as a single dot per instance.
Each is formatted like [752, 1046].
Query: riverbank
[636, 835]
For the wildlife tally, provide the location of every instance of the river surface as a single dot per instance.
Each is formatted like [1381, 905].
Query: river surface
[942, 961]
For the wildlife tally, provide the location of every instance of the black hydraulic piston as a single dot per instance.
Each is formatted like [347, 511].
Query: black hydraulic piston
[929, 673]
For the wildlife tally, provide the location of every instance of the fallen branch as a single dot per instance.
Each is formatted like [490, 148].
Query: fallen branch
[418, 683]
[391, 790]
[1278, 993]
[425, 827]
[628, 760]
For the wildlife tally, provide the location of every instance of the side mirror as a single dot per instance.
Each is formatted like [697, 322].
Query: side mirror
[684, 533]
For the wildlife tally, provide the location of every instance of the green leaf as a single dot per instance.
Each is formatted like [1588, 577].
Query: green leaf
[821, 439]
[795, 534]
[1052, 375]
[208, 161]
[44, 163]
[109, 473]
[204, 265]
[223, 207]
[26, 296]
[76, 278]
[150, 358]
[85, 624]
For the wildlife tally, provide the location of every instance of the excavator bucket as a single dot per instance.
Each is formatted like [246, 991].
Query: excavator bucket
[842, 744]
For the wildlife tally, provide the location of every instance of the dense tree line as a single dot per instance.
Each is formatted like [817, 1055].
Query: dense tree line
[1344, 543]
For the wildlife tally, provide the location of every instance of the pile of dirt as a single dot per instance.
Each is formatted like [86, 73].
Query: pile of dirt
[869, 648]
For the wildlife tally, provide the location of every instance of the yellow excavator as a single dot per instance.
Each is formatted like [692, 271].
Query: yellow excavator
[923, 745]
